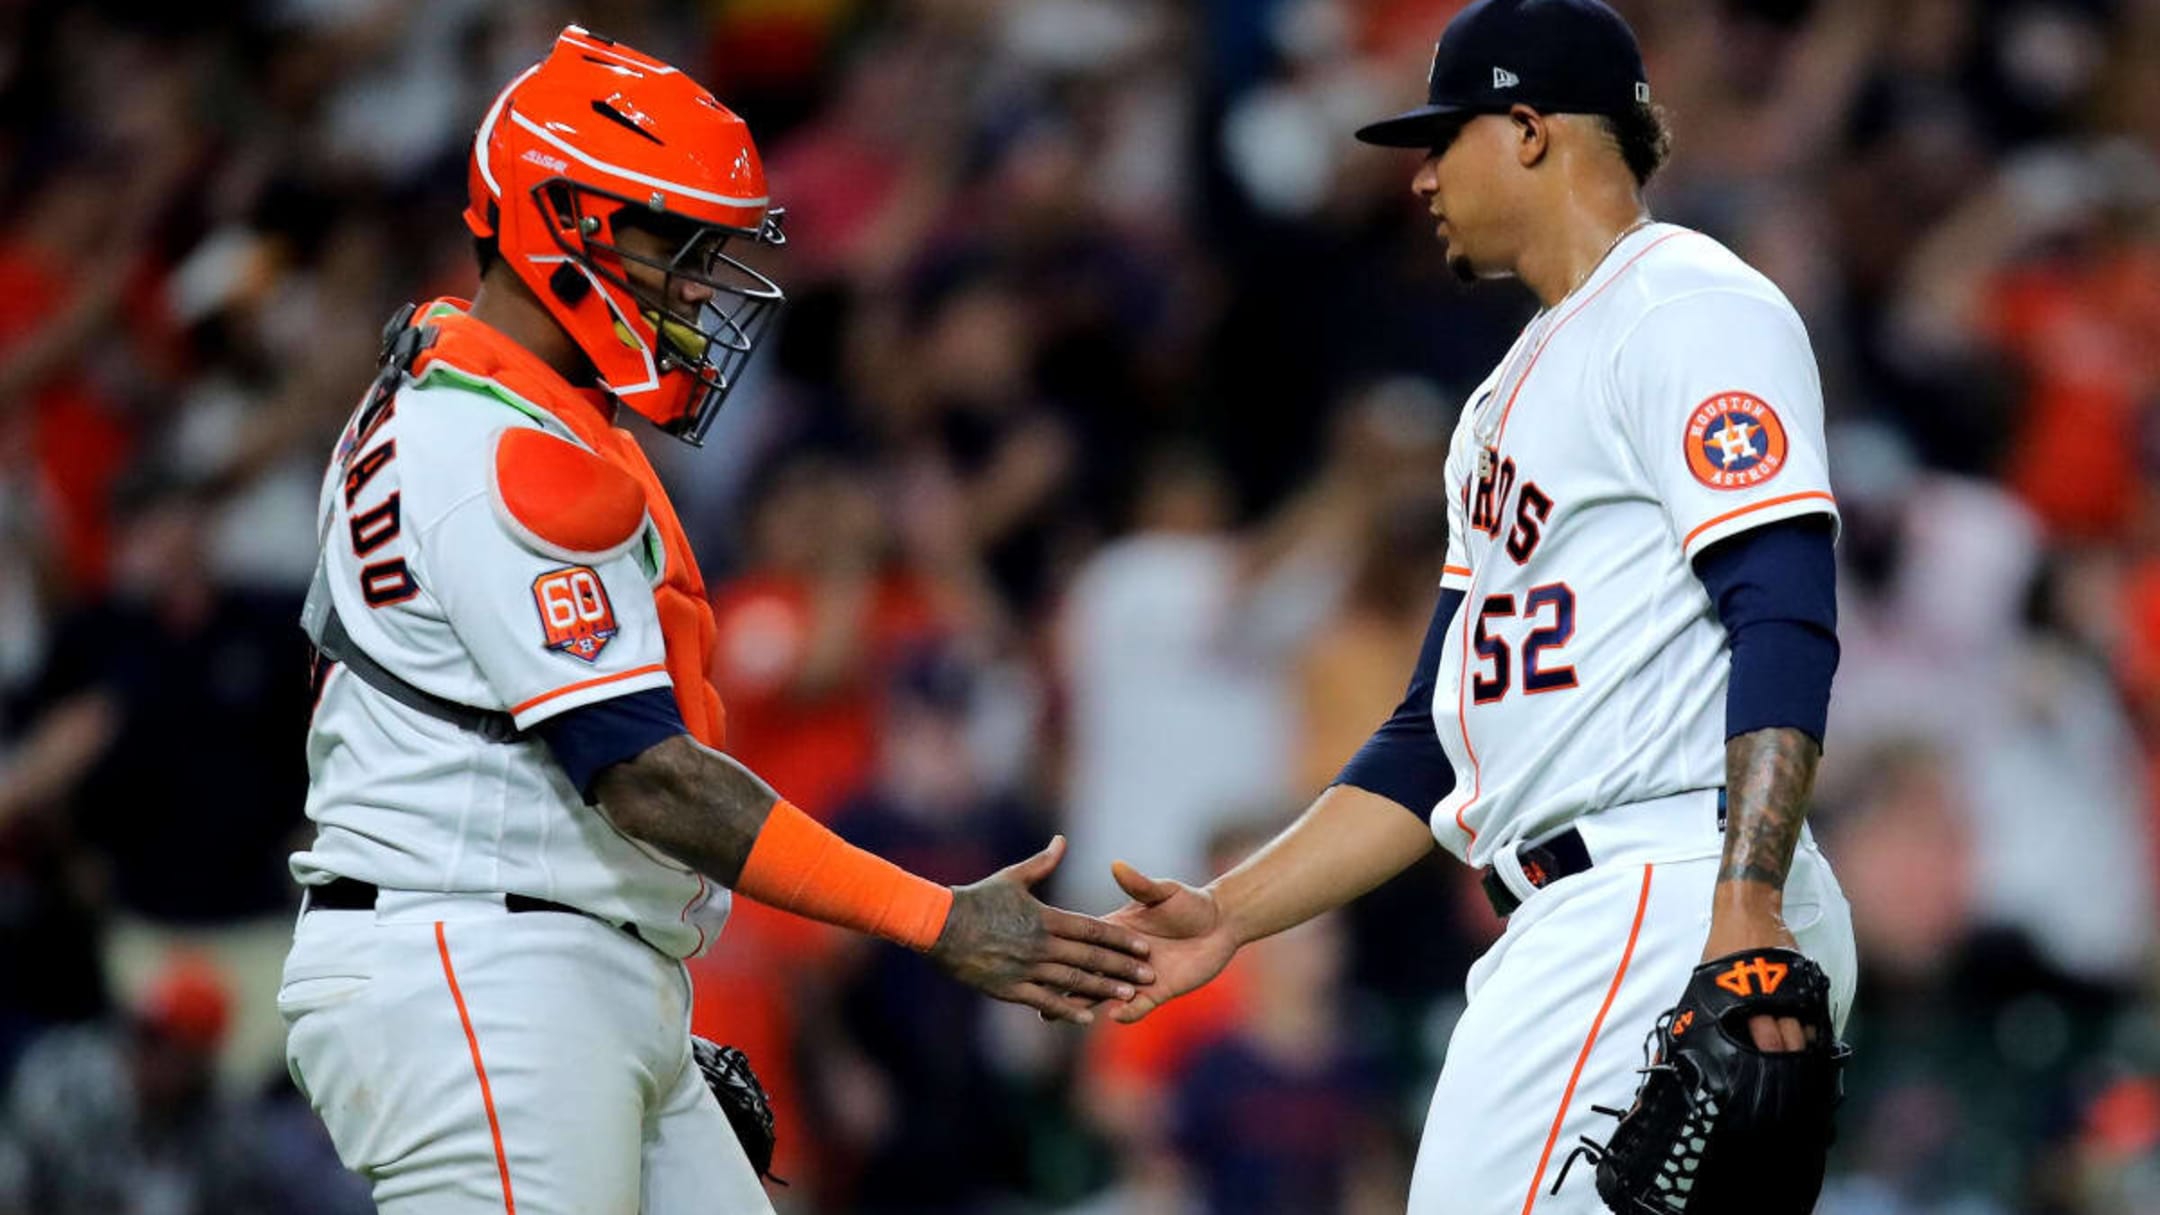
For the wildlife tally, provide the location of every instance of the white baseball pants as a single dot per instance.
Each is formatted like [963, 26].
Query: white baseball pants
[470, 1061]
[1560, 1005]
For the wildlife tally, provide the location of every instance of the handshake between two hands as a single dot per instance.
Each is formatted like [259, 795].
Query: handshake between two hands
[1003, 941]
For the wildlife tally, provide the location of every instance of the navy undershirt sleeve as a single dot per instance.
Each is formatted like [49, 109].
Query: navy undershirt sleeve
[589, 738]
[1775, 587]
[1402, 761]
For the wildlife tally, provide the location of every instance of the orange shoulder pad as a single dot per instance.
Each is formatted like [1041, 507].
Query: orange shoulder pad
[562, 500]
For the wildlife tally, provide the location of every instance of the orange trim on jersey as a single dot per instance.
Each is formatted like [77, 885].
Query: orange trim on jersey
[1454, 571]
[583, 684]
[1752, 507]
[1477, 774]
[487, 1094]
[693, 901]
[1462, 720]
[1642, 904]
[1500, 432]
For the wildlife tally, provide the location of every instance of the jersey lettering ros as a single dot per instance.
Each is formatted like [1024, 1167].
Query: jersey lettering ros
[1670, 402]
[433, 581]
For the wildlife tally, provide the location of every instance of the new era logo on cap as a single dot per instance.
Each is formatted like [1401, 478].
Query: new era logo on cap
[1562, 56]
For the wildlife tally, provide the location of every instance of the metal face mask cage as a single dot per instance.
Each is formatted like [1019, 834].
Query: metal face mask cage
[713, 346]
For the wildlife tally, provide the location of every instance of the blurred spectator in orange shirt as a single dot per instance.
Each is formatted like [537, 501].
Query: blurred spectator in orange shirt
[53, 307]
[811, 631]
[2054, 270]
[810, 637]
[2084, 327]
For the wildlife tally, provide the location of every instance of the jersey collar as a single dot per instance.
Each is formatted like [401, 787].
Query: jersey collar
[1616, 260]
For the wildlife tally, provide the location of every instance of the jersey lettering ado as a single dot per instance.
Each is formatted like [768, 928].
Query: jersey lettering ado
[433, 567]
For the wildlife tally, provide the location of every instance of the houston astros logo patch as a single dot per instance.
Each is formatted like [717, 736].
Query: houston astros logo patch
[575, 615]
[1734, 441]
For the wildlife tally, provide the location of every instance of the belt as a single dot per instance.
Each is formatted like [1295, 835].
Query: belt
[352, 894]
[1564, 855]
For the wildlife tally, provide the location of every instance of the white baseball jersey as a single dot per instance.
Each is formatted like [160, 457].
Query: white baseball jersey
[432, 583]
[1669, 402]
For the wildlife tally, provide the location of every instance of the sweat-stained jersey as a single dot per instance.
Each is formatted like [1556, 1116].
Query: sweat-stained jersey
[1669, 402]
[433, 581]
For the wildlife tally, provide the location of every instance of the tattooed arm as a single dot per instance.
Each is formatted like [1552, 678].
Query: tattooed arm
[713, 814]
[1767, 777]
[1775, 590]
[1768, 774]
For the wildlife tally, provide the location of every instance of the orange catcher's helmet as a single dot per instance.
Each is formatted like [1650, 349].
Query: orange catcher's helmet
[596, 139]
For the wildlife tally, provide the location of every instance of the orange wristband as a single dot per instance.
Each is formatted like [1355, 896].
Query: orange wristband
[798, 865]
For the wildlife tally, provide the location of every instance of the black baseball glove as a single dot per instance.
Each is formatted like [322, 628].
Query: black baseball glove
[1718, 1125]
[727, 1072]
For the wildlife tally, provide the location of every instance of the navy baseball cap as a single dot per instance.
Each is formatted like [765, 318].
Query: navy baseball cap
[1555, 56]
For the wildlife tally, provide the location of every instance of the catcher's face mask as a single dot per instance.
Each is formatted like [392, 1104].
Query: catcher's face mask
[598, 132]
[703, 308]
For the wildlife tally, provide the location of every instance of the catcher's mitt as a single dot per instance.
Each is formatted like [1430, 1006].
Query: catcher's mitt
[727, 1072]
[1719, 1126]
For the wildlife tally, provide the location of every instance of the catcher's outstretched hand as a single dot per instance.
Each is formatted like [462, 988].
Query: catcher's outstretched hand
[1004, 942]
[1190, 940]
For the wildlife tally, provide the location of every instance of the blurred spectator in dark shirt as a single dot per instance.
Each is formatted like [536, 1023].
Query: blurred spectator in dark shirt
[1287, 1115]
[124, 1119]
[953, 1136]
[967, 420]
[810, 637]
[168, 723]
[1128, 1075]
[1971, 1045]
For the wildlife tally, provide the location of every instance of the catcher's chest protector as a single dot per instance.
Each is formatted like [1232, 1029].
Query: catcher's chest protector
[686, 620]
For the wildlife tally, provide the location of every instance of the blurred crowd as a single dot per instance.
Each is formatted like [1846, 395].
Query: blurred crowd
[1091, 485]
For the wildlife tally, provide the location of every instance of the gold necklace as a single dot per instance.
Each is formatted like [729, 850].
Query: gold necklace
[1641, 221]
[1487, 429]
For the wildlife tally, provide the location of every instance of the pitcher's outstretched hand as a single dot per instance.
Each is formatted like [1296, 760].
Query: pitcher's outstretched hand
[1190, 939]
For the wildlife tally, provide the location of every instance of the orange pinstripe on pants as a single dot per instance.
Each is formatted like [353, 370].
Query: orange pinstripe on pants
[1537, 1179]
[487, 1095]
